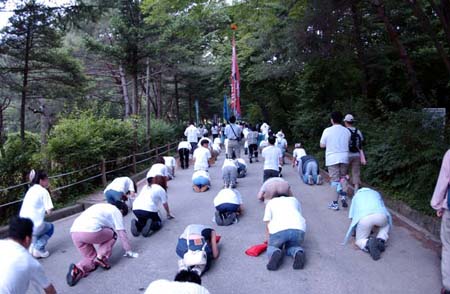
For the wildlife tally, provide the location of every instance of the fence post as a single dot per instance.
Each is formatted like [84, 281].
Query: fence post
[103, 167]
[168, 149]
[156, 152]
[134, 163]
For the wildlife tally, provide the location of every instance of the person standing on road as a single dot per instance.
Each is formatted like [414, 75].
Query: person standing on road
[119, 189]
[252, 139]
[440, 203]
[215, 131]
[368, 212]
[192, 134]
[183, 151]
[272, 160]
[233, 134]
[281, 143]
[285, 228]
[35, 205]
[17, 267]
[199, 237]
[146, 207]
[354, 147]
[335, 140]
[99, 225]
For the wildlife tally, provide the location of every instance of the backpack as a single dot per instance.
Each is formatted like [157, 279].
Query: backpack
[355, 141]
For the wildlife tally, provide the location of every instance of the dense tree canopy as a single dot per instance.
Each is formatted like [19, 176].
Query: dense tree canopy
[381, 60]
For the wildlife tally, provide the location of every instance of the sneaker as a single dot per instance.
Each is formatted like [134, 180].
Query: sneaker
[256, 159]
[134, 230]
[299, 260]
[146, 230]
[344, 201]
[196, 188]
[101, 262]
[74, 275]
[197, 270]
[218, 218]
[319, 180]
[372, 246]
[381, 244]
[334, 205]
[250, 160]
[274, 261]
[229, 219]
[310, 180]
[40, 254]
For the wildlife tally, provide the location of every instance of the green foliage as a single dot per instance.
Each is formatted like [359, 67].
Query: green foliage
[79, 142]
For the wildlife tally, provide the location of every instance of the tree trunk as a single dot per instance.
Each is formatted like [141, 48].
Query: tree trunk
[442, 17]
[147, 92]
[135, 95]
[3, 106]
[126, 99]
[45, 127]
[404, 57]
[360, 54]
[426, 25]
[177, 99]
[159, 97]
[190, 107]
[26, 69]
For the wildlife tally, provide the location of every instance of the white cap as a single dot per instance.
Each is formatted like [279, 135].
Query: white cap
[349, 118]
[280, 134]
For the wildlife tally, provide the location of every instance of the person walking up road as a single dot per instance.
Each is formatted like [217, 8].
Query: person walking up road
[440, 203]
[354, 157]
[192, 134]
[233, 134]
[335, 140]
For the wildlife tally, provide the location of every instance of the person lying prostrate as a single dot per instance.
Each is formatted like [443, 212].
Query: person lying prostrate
[274, 187]
[186, 282]
[201, 181]
[159, 168]
[119, 189]
[228, 204]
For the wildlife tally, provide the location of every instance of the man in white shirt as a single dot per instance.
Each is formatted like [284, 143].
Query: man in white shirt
[183, 151]
[192, 134]
[215, 131]
[228, 204]
[285, 227]
[281, 143]
[233, 134]
[335, 140]
[201, 156]
[272, 160]
[17, 267]
[170, 163]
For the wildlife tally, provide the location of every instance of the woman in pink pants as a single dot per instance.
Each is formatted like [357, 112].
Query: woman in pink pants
[100, 224]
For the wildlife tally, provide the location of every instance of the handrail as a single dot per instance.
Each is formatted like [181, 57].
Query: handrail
[169, 147]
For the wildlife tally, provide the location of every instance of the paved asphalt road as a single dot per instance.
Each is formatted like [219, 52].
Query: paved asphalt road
[407, 266]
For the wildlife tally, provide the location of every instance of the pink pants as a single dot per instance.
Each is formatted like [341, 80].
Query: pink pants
[85, 243]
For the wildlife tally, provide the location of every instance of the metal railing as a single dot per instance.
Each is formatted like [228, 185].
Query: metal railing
[102, 166]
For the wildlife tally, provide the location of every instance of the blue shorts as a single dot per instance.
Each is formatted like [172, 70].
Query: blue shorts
[201, 181]
[227, 207]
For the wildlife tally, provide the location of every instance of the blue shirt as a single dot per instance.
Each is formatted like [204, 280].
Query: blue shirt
[365, 202]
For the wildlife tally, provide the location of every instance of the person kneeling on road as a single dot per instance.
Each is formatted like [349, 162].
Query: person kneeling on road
[274, 187]
[197, 237]
[241, 168]
[228, 204]
[100, 224]
[201, 181]
[185, 281]
[308, 168]
[285, 227]
[147, 205]
[367, 212]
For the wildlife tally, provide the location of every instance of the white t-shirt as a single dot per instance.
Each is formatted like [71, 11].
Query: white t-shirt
[263, 144]
[158, 169]
[229, 162]
[214, 130]
[265, 128]
[97, 217]
[201, 156]
[200, 173]
[298, 153]
[36, 202]
[284, 213]
[336, 139]
[192, 133]
[184, 144]
[272, 157]
[121, 184]
[18, 268]
[217, 141]
[281, 143]
[150, 198]
[241, 161]
[228, 196]
[174, 287]
[207, 139]
[170, 161]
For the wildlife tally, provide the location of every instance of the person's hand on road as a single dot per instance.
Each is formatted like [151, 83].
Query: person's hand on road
[131, 254]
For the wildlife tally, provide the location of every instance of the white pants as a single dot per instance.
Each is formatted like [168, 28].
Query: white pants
[365, 226]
